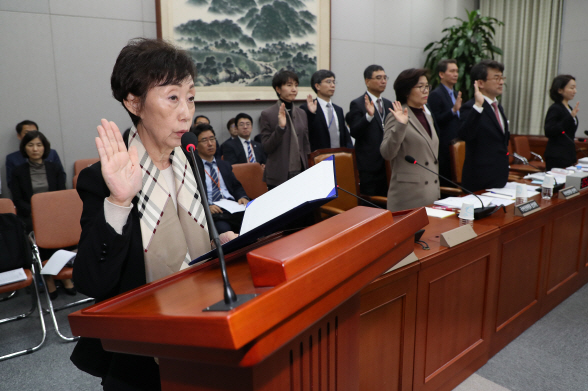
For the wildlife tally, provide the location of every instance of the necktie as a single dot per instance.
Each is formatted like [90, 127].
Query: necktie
[215, 190]
[250, 156]
[333, 131]
[495, 105]
[380, 109]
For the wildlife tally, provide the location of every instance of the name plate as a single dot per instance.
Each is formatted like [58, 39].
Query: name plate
[568, 192]
[457, 236]
[527, 208]
[406, 261]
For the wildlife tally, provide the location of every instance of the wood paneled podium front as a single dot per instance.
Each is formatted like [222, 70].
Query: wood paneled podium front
[302, 333]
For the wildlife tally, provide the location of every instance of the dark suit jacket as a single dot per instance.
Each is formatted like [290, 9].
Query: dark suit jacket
[440, 104]
[486, 161]
[15, 159]
[318, 129]
[276, 142]
[234, 153]
[368, 138]
[233, 185]
[560, 149]
[22, 187]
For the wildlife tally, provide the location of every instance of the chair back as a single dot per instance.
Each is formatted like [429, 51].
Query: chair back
[457, 156]
[6, 206]
[79, 165]
[522, 147]
[345, 172]
[56, 218]
[251, 177]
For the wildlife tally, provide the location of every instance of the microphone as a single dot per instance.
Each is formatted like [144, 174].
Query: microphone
[231, 300]
[524, 160]
[479, 213]
[359, 198]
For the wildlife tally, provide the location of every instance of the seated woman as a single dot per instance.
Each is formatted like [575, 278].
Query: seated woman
[122, 245]
[561, 123]
[410, 130]
[35, 176]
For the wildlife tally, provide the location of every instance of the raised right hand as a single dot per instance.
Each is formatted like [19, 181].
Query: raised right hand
[576, 109]
[478, 97]
[282, 116]
[120, 168]
[369, 106]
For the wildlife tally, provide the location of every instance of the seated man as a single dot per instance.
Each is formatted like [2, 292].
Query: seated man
[16, 159]
[242, 149]
[219, 181]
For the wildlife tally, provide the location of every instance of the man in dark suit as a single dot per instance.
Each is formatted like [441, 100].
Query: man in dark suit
[326, 123]
[484, 128]
[219, 181]
[445, 103]
[366, 118]
[242, 149]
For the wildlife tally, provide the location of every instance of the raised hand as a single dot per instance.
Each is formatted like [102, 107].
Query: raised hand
[369, 106]
[282, 116]
[120, 168]
[478, 97]
[457, 104]
[400, 114]
[576, 109]
[311, 104]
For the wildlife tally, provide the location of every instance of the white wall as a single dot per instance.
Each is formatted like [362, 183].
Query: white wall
[574, 53]
[57, 56]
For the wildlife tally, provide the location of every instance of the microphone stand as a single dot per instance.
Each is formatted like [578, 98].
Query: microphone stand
[231, 300]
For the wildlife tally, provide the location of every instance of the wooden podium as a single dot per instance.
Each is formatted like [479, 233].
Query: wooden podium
[301, 331]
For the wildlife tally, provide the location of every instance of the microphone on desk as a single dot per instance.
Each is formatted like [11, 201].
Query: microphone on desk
[231, 300]
[479, 213]
[524, 160]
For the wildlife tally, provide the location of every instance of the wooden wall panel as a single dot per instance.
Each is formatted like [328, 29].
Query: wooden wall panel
[564, 259]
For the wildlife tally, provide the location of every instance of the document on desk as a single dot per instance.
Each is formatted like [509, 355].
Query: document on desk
[455, 202]
[230, 205]
[509, 191]
[431, 212]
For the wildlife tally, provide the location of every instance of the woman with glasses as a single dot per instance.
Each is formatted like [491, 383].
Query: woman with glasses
[561, 123]
[410, 131]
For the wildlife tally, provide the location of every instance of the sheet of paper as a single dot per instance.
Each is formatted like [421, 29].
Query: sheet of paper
[57, 262]
[455, 202]
[315, 183]
[559, 178]
[230, 206]
[509, 191]
[431, 212]
[12, 276]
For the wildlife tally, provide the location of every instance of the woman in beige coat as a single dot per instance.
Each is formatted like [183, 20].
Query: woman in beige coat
[410, 130]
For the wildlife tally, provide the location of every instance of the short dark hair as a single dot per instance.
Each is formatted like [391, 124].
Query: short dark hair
[369, 71]
[560, 82]
[202, 128]
[243, 115]
[319, 76]
[232, 121]
[442, 65]
[480, 70]
[201, 116]
[20, 125]
[146, 63]
[282, 77]
[30, 136]
[405, 82]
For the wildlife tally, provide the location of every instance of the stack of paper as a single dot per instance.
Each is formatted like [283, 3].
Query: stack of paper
[455, 202]
[509, 191]
[12, 276]
[431, 212]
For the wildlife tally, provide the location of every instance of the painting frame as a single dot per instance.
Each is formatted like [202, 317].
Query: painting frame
[228, 93]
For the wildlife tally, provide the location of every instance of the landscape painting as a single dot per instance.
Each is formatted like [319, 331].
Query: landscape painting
[238, 45]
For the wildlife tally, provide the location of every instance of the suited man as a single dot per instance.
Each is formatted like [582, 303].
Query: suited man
[366, 123]
[445, 103]
[484, 128]
[232, 129]
[219, 181]
[284, 132]
[410, 130]
[242, 149]
[326, 123]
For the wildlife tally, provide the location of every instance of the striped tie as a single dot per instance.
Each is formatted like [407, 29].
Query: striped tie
[215, 190]
[250, 155]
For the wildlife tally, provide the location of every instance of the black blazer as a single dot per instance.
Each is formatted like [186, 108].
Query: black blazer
[486, 160]
[234, 153]
[22, 187]
[560, 146]
[233, 185]
[318, 129]
[368, 135]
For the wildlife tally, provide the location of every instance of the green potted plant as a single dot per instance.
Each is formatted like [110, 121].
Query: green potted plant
[467, 42]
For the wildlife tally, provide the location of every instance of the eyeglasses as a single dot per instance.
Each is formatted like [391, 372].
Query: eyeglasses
[424, 88]
[244, 124]
[329, 81]
[497, 78]
[380, 78]
[207, 140]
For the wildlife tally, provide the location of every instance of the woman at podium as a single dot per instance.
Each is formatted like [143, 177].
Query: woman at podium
[142, 218]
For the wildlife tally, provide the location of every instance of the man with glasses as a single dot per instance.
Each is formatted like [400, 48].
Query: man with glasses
[242, 149]
[366, 123]
[445, 103]
[484, 128]
[326, 123]
[219, 181]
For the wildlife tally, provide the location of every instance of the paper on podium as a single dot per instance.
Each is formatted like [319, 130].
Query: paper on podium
[283, 204]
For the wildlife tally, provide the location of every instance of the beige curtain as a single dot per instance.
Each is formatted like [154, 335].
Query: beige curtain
[530, 40]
